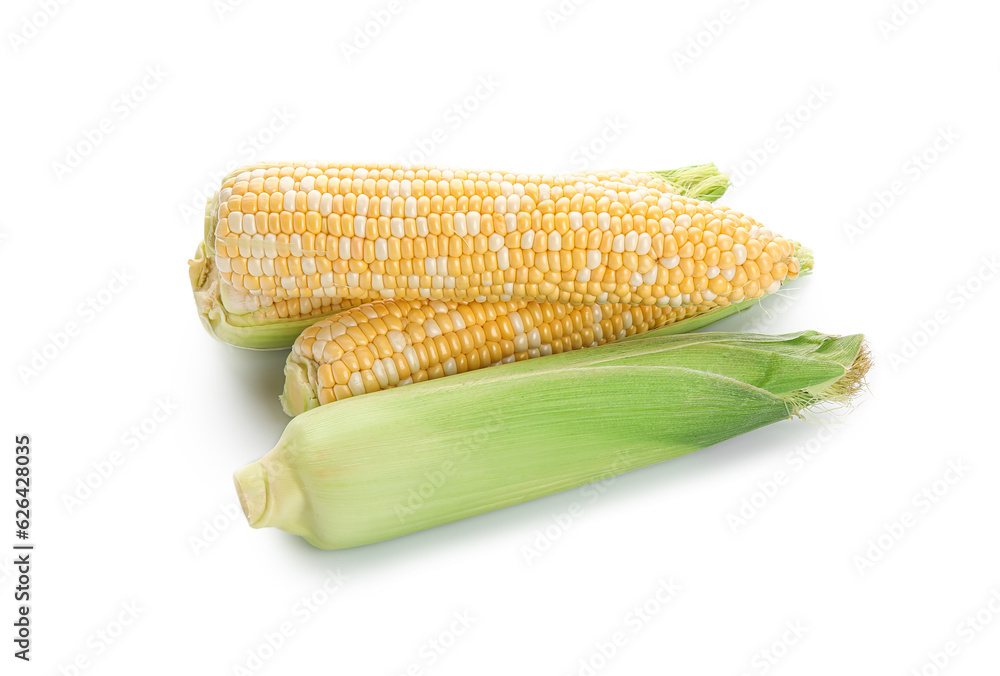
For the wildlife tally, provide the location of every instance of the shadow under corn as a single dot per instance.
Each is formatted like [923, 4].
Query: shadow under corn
[259, 377]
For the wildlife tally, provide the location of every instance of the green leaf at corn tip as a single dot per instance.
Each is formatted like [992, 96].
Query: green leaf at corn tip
[360, 470]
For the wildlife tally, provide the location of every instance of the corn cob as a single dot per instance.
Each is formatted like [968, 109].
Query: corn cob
[262, 322]
[254, 232]
[356, 232]
[394, 462]
[390, 343]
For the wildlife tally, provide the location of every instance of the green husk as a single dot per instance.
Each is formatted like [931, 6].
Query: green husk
[394, 462]
[224, 319]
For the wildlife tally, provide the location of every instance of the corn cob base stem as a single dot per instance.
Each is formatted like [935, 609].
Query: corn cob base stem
[235, 328]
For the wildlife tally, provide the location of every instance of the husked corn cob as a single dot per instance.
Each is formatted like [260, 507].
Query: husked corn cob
[388, 343]
[263, 321]
[331, 231]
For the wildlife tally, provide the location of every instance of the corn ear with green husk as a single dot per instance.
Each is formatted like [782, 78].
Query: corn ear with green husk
[259, 322]
[394, 462]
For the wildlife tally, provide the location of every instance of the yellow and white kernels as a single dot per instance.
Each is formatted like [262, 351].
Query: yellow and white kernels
[332, 231]
[388, 343]
[303, 308]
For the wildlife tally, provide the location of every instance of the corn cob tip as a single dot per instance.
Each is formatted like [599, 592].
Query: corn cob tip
[804, 256]
[204, 285]
[224, 313]
[300, 391]
[853, 353]
[849, 386]
[856, 378]
[251, 488]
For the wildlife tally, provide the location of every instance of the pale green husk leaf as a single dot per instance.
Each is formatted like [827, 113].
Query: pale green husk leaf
[390, 463]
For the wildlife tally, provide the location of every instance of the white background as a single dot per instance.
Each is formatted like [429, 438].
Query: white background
[159, 531]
